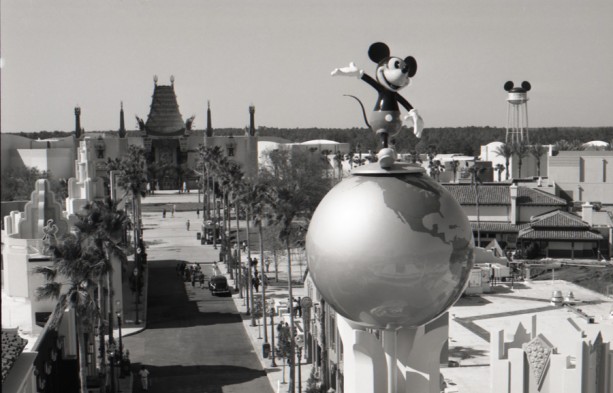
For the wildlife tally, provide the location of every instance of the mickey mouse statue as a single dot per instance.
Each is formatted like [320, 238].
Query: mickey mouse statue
[393, 74]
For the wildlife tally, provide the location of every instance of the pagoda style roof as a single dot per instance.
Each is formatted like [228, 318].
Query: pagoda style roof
[164, 117]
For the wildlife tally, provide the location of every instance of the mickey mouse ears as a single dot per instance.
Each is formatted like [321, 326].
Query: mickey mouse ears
[525, 86]
[378, 51]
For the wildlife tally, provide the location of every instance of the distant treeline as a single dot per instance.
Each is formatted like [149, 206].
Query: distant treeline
[464, 140]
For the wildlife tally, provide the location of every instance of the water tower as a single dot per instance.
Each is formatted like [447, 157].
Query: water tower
[517, 112]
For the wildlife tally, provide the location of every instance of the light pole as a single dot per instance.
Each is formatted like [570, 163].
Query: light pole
[118, 303]
[136, 277]
[111, 356]
[272, 335]
[299, 346]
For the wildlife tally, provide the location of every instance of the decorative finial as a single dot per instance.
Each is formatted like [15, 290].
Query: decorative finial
[208, 104]
[121, 105]
[172, 79]
[155, 79]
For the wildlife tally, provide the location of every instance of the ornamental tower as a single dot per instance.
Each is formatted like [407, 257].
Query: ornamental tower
[122, 124]
[251, 120]
[77, 120]
[209, 127]
[517, 113]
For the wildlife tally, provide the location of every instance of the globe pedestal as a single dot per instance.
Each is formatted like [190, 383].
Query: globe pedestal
[417, 354]
[390, 249]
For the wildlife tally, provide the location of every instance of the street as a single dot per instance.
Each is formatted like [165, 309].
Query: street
[193, 341]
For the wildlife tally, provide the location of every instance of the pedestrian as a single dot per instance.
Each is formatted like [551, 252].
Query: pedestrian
[256, 283]
[299, 308]
[295, 306]
[198, 213]
[187, 225]
[164, 213]
[193, 274]
[144, 378]
[201, 279]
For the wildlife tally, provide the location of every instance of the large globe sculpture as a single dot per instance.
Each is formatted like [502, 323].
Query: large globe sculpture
[389, 248]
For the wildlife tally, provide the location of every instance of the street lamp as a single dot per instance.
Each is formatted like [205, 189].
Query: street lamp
[111, 356]
[136, 278]
[299, 346]
[121, 374]
[272, 335]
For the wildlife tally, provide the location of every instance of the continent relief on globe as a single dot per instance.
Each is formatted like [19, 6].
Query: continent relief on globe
[390, 251]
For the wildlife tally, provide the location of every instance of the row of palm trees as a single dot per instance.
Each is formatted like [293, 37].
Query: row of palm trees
[280, 200]
[84, 259]
[81, 276]
[520, 150]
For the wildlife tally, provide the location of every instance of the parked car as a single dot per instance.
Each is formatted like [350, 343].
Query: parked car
[218, 285]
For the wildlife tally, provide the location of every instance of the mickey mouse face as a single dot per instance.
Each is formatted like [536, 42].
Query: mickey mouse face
[393, 73]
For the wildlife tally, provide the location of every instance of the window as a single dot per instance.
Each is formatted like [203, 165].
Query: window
[230, 151]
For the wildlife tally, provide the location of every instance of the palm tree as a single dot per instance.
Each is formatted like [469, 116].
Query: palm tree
[133, 179]
[254, 198]
[102, 224]
[454, 167]
[296, 190]
[499, 168]
[77, 266]
[338, 158]
[537, 152]
[521, 150]
[506, 151]
[476, 181]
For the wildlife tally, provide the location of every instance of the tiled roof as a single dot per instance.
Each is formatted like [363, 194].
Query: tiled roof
[556, 234]
[12, 345]
[164, 117]
[558, 219]
[500, 227]
[499, 194]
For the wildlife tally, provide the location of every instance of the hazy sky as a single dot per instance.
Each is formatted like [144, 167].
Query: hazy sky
[278, 55]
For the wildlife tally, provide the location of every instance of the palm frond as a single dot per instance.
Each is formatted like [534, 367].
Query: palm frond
[49, 272]
[50, 290]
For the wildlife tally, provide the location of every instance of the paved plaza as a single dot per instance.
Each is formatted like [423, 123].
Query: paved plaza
[193, 342]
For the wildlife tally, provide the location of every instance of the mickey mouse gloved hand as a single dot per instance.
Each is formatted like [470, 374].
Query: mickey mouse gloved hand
[352, 70]
[418, 122]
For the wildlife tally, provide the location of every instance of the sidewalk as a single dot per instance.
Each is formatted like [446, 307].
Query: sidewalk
[256, 334]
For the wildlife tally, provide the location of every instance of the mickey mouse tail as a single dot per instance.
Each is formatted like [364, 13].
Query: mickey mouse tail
[362, 106]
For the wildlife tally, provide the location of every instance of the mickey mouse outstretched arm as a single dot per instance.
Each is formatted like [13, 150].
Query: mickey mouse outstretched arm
[352, 70]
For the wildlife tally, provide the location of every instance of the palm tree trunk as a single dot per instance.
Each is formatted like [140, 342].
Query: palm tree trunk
[274, 257]
[111, 296]
[82, 355]
[291, 319]
[239, 273]
[215, 222]
[228, 249]
[101, 316]
[263, 281]
[506, 167]
[250, 271]
[207, 214]
[478, 216]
